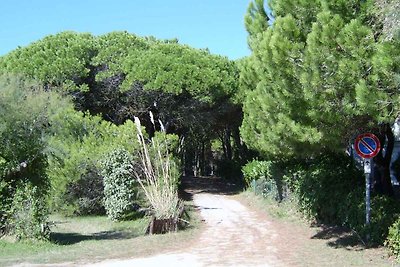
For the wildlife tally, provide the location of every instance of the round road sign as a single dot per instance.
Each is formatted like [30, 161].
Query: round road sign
[367, 145]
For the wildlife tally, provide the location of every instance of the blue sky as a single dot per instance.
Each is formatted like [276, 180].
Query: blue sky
[214, 24]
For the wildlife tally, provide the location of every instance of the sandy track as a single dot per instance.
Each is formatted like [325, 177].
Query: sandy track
[234, 236]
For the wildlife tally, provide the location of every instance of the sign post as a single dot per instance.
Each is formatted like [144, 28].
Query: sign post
[367, 146]
[367, 171]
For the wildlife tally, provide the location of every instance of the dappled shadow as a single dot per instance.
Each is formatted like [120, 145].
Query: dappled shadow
[213, 185]
[73, 238]
[340, 237]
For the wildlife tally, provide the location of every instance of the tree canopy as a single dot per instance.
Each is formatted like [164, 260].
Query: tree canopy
[318, 75]
[120, 75]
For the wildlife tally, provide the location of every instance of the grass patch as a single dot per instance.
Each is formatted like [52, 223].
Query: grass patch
[90, 239]
[286, 210]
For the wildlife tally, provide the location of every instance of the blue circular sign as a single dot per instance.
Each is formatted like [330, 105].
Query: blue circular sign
[367, 145]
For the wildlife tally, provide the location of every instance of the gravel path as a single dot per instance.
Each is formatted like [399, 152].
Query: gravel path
[234, 236]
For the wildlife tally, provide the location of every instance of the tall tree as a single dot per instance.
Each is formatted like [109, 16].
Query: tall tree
[317, 77]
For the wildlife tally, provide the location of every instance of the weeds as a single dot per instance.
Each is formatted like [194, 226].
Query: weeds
[159, 176]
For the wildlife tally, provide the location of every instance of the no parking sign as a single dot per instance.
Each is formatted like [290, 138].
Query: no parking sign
[367, 145]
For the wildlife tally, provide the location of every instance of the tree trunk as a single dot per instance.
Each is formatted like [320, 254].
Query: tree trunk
[382, 161]
[240, 154]
[203, 159]
[162, 226]
[228, 145]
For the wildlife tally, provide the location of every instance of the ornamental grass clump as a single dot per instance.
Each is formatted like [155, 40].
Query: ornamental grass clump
[159, 176]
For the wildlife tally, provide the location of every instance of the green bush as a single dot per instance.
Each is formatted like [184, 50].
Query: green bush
[24, 128]
[393, 238]
[384, 212]
[120, 187]
[28, 214]
[331, 190]
[265, 178]
[323, 185]
[78, 144]
[256, 170]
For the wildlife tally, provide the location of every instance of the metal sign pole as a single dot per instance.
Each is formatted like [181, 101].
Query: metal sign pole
[367, 171]
[367, 146]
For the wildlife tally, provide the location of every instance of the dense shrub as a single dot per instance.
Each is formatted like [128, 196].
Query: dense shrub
[393, 238]
[78, 144]
[265, 178]
[28, 213]
[323, 184]
[331, 190]
[384, 212]
[24, 127]
[120, 187]
[256, 170]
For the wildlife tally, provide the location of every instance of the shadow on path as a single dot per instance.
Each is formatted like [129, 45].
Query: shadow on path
[73, 238]
[340, 237]
[213, 185]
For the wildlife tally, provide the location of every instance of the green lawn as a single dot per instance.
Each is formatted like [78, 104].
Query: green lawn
[89, 239]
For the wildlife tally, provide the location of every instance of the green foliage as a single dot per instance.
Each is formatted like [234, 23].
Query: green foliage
[327, 189]
[256, 170]
[175, 69]
[60, 59]
[78, 143]
[120, 187]
[330, 190]
[393, 238]
[322, 185]
[316, 77]
[274, 109]
[265, 178]
[384, 212]
[388, 18]
[28, 213]
[24, 121]
[256, 20]
[120, 75]
[114, 48]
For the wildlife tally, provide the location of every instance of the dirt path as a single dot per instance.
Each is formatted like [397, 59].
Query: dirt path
[234, 236]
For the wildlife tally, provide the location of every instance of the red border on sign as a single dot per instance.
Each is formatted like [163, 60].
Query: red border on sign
[373, 153]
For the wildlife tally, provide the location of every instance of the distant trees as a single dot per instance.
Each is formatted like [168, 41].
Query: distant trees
[120, 75]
